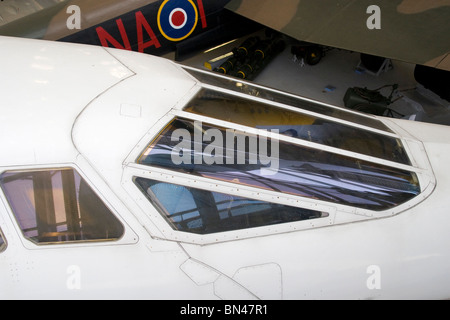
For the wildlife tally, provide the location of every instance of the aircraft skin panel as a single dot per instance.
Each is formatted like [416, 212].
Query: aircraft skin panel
[12, 10]
[98, 113]
[50, 22]
[441, 62]
[49, 96]
[97, 272]
[382, 245]
[94, 13]
[401, 247]
[411, 31]
[415, 32]
[135, 110]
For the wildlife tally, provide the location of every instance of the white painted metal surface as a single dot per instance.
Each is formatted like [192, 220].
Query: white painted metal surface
[95, 110]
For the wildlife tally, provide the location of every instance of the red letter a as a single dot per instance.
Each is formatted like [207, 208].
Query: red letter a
[142, 22]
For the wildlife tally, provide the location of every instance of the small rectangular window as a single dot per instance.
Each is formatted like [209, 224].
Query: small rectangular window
[54, 206]
[204, 212]
[2, 242]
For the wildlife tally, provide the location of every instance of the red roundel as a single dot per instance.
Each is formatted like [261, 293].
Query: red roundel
[178, 18]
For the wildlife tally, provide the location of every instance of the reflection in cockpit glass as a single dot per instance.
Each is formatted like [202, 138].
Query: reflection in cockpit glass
[302, 171]
[57, 205]
[288, 99]
[203, 212]
[254, 114]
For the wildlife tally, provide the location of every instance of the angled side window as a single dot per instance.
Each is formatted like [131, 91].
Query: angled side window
[204, 212]
[2, 242]
[289, 99]
[299, 125]
[215, 152]
[54, 206]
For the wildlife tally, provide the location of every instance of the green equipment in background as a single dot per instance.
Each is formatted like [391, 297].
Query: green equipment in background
[371, 101]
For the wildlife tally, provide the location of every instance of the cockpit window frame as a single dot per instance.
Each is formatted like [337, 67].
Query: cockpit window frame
[338, 214]
[156, 214]
[362, 184]
[127, 236]
[204, 212]
[305, 126]
[250, 89]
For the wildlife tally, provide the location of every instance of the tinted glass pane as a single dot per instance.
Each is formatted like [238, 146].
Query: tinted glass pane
[295, 124]
[2, 242]
[214, 152]
[203, 212]
[58, 206]
[287, 99]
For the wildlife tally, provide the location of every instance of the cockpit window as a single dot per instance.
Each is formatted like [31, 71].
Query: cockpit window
[291, 100]
[57, 206]
[214, 152]
[2, 242]
[254, 114]
[204, 212]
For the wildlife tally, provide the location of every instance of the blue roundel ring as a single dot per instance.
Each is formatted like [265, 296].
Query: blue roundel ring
[177, 19]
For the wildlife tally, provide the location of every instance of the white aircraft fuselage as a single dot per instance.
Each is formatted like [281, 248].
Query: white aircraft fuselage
[92, 208]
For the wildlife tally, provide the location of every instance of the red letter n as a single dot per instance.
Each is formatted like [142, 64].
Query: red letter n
[105, 37]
